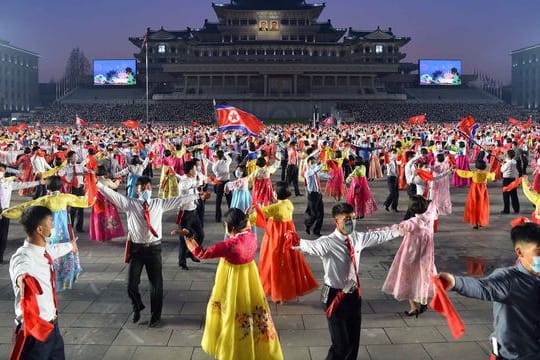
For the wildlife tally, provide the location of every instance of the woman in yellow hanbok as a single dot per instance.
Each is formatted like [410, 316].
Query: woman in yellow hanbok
[67, 267]
[534, 198]
[238, 323]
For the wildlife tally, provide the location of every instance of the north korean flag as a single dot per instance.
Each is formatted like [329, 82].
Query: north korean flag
[231, 118]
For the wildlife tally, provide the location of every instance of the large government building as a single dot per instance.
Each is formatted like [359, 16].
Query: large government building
[18, 79]
[526, 77]
[276, 58]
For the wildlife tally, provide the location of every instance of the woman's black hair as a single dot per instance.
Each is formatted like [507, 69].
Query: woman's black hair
[480, 164]
[418, 205]
[167, 153]
[282, 191]
[135, 160]
[101, 171]
[55, 183]
[235, 219]
[260, 162]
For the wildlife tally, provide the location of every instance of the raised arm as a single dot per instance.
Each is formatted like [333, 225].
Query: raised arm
[117, 199]
[495, 287]
[218, 250]
[318, 247]
[178, 201]
[374, 238]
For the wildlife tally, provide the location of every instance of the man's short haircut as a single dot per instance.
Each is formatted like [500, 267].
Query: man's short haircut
[70, 154]
[526, 233]
[189, 165]
[143, 180]
[33, 216]
[342, 209]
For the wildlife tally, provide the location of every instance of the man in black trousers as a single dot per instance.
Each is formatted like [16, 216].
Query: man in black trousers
[510, 173]
[144, 216]
[341, 295]
[292, 168]
[392, 181]
[315, 206]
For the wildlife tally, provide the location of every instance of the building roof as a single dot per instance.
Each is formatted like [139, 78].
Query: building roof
[268, 5]
[532, 47]
[7, 44]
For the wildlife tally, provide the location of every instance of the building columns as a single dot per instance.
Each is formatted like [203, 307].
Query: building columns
[265, 85]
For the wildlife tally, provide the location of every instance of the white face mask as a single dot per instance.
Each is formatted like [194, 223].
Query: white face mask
[238, 173]
[2, 174]
[146, 195]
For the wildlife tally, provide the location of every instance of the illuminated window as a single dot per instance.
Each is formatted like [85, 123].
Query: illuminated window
[161, 49]
[378, 49]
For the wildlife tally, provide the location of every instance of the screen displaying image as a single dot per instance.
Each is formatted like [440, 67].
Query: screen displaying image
[440, 72]
[115, 72]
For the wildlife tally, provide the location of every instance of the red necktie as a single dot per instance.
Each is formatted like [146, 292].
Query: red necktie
[75, 180]
[341, 295]
[147, 219]
[53, 278]
[353, 260]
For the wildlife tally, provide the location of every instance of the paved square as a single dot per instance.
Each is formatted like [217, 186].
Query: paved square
[96, 322]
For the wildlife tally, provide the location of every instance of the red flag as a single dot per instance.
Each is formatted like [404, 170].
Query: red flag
[131, 124]
[527, 124]
[468, 126]
[233, 118]
[418, 119]
[328, 121]
[80, 122]
[442, 304]
[514, 121]
[425, 175]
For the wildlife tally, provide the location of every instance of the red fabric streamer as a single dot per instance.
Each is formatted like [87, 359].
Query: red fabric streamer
[335, 303]
[519, 221]
[442, 304]
[513, 185]
[90, 187]
[34, 325]
[261, 220]
[425, 175]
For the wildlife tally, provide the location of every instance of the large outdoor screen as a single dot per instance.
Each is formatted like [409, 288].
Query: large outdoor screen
[440, 72]
[115, 72]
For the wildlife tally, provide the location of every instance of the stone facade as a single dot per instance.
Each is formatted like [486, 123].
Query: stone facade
[526, 77]
[18, 79]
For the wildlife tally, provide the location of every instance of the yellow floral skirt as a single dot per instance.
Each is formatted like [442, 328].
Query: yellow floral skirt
[238, 321]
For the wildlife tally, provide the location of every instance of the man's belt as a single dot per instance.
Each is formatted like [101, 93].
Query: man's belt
[155, 243]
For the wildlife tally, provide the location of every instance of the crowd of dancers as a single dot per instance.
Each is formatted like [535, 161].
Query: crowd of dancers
[167, 168]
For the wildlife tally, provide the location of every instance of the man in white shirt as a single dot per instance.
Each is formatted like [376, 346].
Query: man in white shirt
[7, 185]
[189, 219]
[221, 171]
[392, 173]
[39, 165]
[341, 296]
[510, 173]
[144, 217]
[34, 261]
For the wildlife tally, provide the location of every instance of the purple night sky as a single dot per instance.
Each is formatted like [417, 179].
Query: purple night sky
[481, 32]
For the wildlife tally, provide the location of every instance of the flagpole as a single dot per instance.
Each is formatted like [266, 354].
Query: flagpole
[146, 61]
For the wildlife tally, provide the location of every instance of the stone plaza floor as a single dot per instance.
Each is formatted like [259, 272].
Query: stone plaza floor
[95, 316]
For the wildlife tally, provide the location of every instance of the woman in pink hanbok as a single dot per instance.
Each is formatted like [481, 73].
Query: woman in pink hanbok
[263, 192]
[462, 163]
[375, 170]
[536, 172]
[105, 223]
[441, 185]
[359, 194]
[414, 263]
[335, 186]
